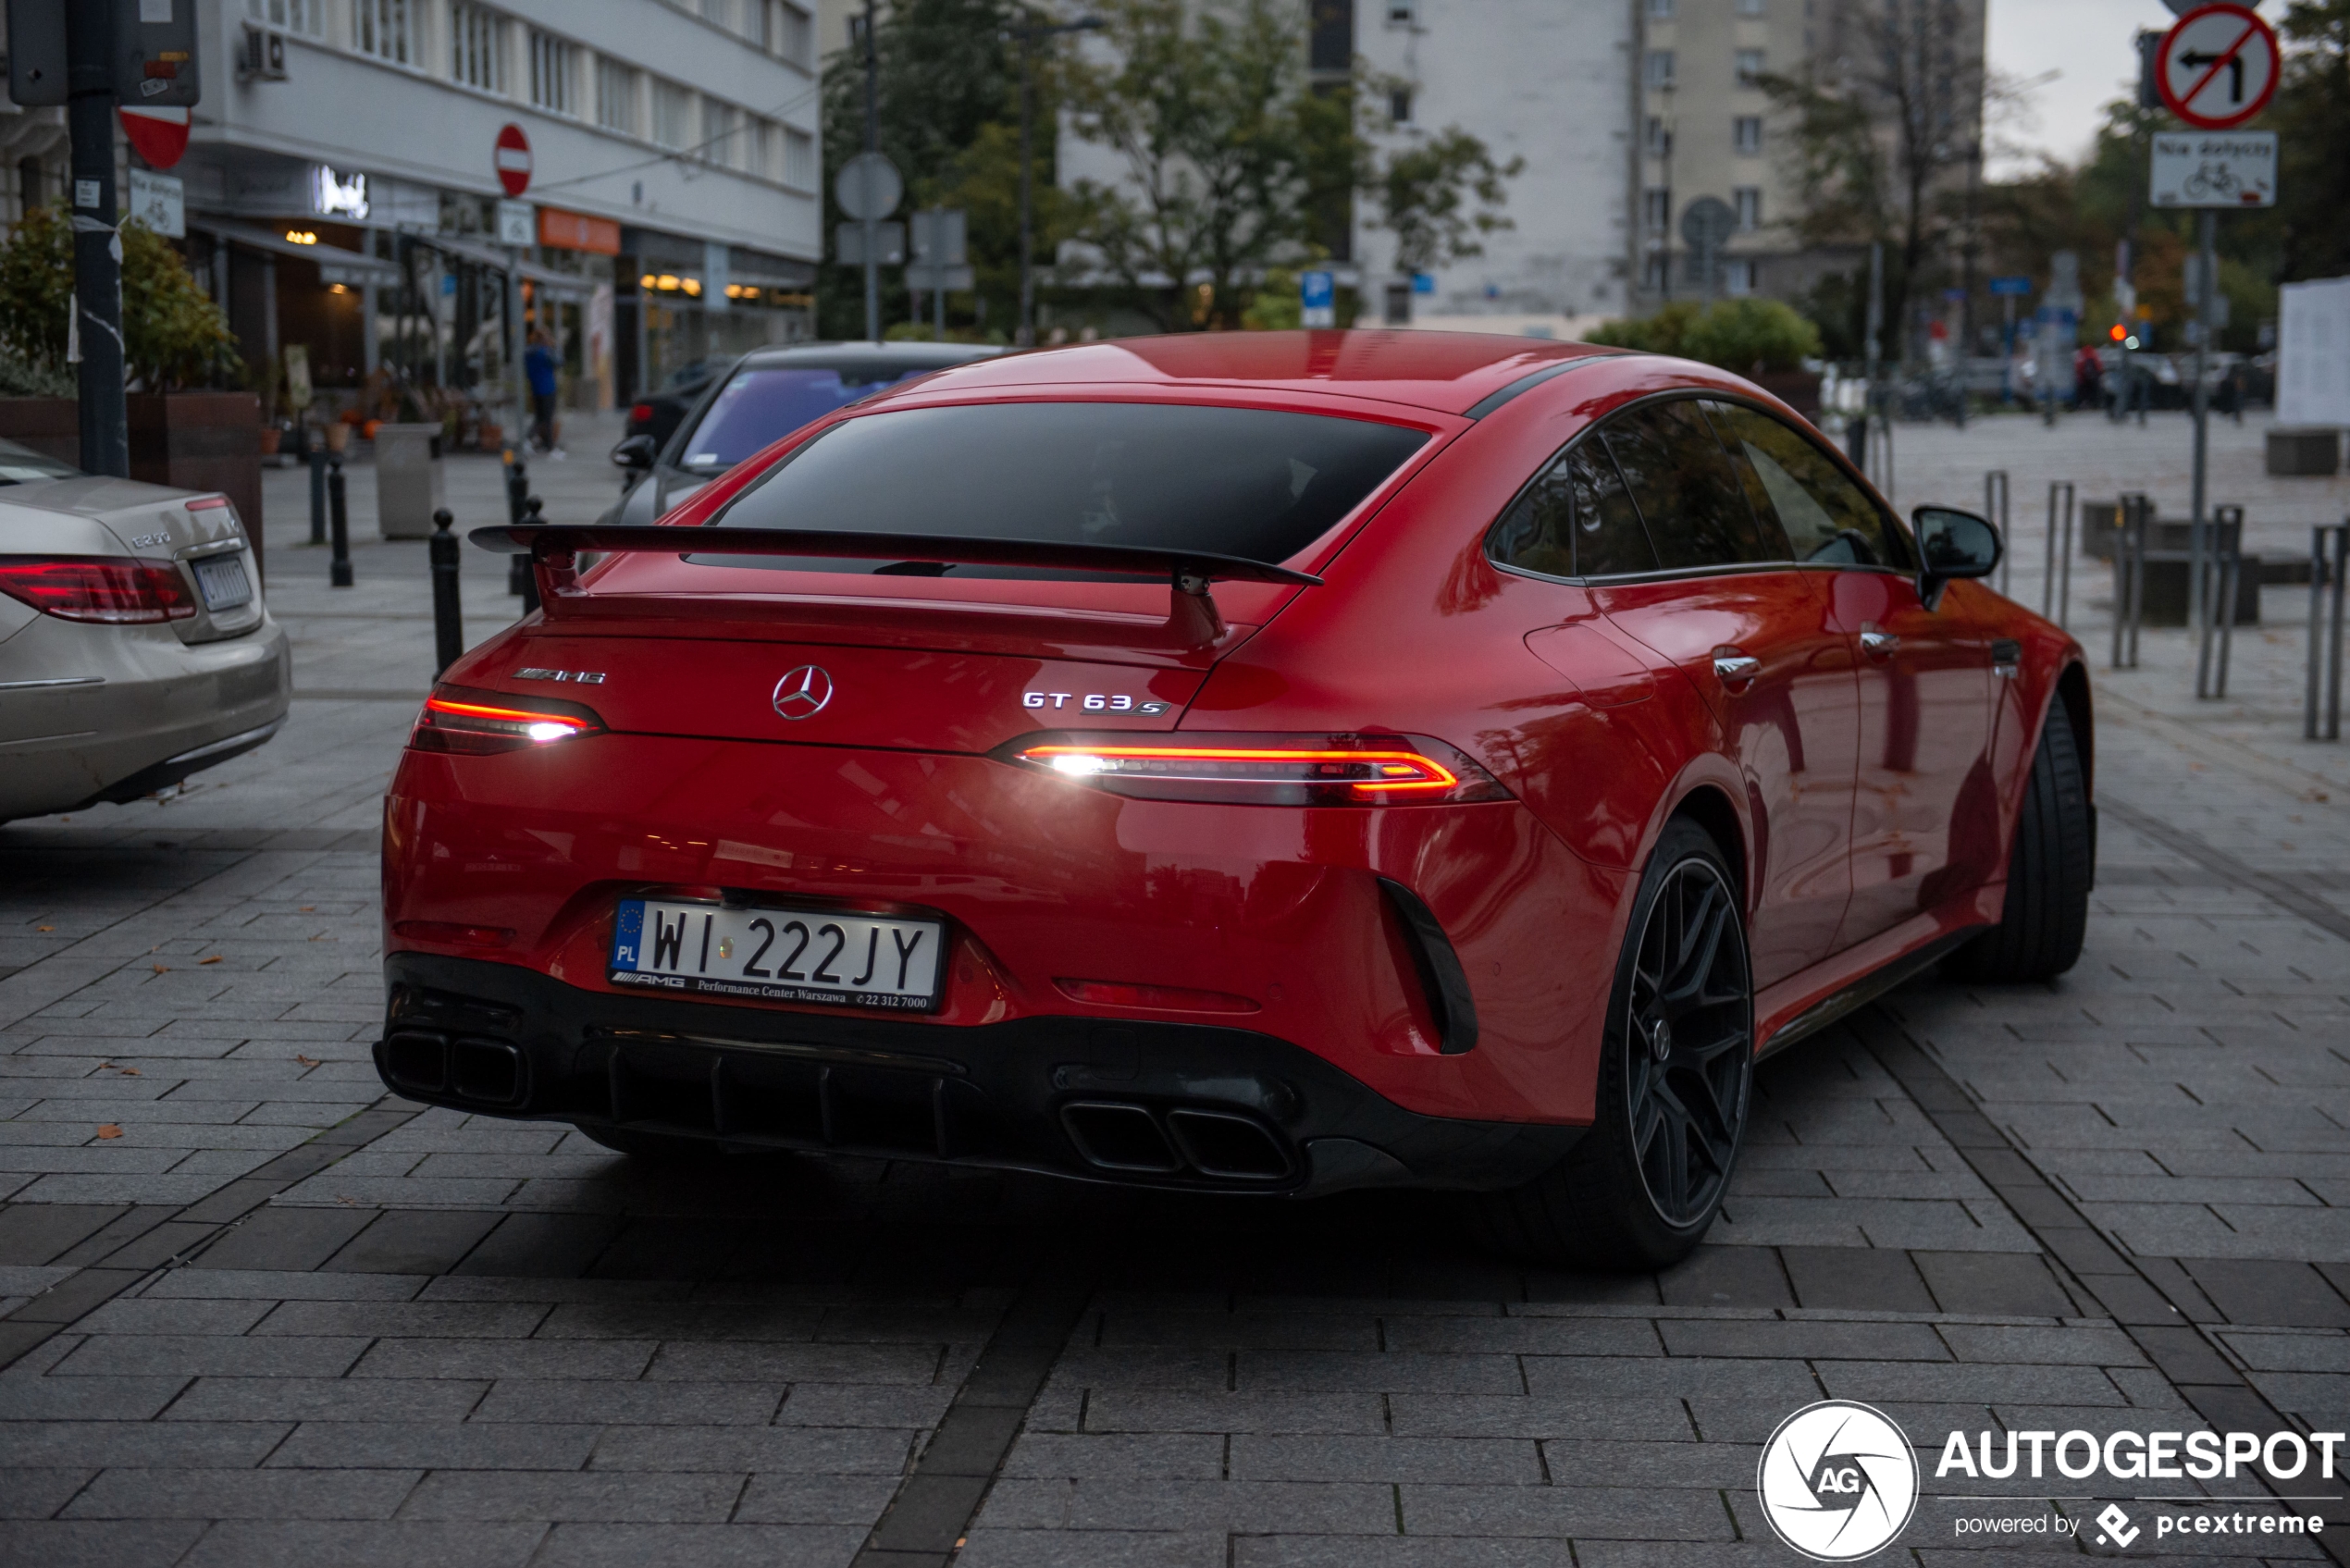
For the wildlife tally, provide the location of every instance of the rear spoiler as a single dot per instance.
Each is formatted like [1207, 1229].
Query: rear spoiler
[554, 549]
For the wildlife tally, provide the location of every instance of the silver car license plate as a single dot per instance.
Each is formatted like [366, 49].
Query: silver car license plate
[223, 580]
[778, 954]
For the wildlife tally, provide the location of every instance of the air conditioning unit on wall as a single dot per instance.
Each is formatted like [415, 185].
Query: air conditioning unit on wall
[260, 56]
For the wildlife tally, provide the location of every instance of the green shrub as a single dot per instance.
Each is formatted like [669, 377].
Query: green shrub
[1744, 336]
[173, 335]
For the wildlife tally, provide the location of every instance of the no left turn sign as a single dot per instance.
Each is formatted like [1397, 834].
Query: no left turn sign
[2218, 66]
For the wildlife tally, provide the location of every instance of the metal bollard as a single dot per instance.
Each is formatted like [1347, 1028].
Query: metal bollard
[447, 609]
[2129, 577]
[338, 514]
[530, 576]
[2054, 599]
[519, 577]
[2223, 576]
[1995, 482]
[2328, 565]
[318, 494]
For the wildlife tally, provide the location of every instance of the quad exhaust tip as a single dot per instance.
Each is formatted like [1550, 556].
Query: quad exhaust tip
[488, 1072]
[1122, 1136]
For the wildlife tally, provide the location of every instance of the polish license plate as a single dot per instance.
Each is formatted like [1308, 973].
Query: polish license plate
[778, 954]
[224, 582]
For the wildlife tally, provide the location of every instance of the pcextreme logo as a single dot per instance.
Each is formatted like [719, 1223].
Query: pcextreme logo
[1838, 1481]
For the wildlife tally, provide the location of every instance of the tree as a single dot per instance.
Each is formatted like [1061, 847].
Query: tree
[1236, 162]
[2311, 114]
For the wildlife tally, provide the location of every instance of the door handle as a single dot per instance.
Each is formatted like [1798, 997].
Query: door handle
[1735, 667]
[1878, 644]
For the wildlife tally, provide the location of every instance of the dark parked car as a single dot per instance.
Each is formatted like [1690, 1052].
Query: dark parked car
[658, 412]
[762, 398]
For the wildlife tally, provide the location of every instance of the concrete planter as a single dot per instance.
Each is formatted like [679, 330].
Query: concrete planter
[1799, 389]
[190, 440]
[2304, 451]
[408, 480]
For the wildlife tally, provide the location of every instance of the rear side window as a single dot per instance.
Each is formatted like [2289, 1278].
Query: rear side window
[1686, 492]
[1829, 520]
[1255, 483]
[1575, 520]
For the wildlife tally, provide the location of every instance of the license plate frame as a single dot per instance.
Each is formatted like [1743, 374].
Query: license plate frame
[223, 580]
[693, 947]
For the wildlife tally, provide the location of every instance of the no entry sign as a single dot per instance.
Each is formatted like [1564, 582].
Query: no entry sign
[511, 156]
[2218, 66]
[160, 136]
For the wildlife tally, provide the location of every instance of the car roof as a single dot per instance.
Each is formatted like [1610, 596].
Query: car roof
[1448, 372]
[866, 355]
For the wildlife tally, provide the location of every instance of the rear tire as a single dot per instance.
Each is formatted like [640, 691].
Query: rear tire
[659, 1147]
[2049, 872]
[1677, 1068]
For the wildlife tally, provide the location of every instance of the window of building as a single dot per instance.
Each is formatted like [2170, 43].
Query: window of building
[800, 159]
[1746, 134]
[553, 64]
[719, 11]
[380, 27]
[1752, 8]
[477, 46]
[1659, 138]
[1329, 44]
[289, 16]
[1656, 209]
[796, 38]
[615, 95]
[1748, 200]
[672, 105]
[722, 140]
[759, 23]
[1661, 10]
[758, 143]
[1659, 67]
[1749, 67]
[1403, 12]
[1737, 276]
[1656, 272]
[1399, 105]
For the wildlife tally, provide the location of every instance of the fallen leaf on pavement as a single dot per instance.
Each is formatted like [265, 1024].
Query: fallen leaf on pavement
[53, 928]
[214, 959]
[163, 968]
[306, 1061]
[110, 1131]
[308, 909]
[128, 1072]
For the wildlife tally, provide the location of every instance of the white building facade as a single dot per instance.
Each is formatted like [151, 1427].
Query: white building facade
[343, 184]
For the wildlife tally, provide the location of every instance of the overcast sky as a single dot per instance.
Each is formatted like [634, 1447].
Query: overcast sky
[2087, 41]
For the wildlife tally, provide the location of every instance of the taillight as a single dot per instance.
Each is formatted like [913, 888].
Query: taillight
[107, 589]
[1351, 770]
[474, 724]
[640, 414]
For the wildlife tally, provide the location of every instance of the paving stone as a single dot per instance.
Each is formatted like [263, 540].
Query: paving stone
[699, 1545]
[1303, 1457]
[343, 1442]
[358, 1400]
[1993, 1283]
[1860, 1278]
[737, 1449]
[2265, 1291]
[274, 1237]
[146, 1444]
[124, 1492]
[118, 1355]
[413, 1241]
[1645, 1513]
[395, 1544]
[621, 1497]
[583, 1399]
[1717, 1275]
[81, 1543]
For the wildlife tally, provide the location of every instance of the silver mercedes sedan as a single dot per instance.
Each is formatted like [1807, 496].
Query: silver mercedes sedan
[134, 647]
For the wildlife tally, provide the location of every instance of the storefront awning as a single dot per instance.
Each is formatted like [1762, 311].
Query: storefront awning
[505, 261]
[348, 266]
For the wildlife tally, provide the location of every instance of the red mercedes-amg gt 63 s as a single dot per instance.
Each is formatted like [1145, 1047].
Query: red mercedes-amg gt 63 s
[1270, 763]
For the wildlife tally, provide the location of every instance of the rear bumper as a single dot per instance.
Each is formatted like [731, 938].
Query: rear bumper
[1171, 1106]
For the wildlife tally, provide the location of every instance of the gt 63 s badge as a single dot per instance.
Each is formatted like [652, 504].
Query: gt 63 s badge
[1092, 702]
[1837, 1480]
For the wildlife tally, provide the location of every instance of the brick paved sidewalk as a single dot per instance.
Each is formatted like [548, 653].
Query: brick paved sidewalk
[255, 1310]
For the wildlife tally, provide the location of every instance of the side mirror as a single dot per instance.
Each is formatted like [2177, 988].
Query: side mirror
[1951, 544]
[636, 453]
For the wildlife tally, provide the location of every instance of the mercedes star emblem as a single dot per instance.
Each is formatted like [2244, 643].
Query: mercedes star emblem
[803, 693]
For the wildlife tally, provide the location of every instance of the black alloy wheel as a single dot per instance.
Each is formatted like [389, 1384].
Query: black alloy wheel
[1688, 1042]
[1675, 1075]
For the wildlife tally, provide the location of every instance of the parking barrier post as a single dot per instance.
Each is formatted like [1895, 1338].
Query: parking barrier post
[2129, 577]
[531, 507]
[1996, 509]
[2223, 573]
[519, 578]
[2328, 565]
[2054, 598]
[338, 514]
[447, 610]
[318, 494]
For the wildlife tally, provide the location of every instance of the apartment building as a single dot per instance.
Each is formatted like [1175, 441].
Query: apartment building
[342, 182]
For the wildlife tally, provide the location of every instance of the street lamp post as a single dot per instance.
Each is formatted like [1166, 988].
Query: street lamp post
[1027, 33]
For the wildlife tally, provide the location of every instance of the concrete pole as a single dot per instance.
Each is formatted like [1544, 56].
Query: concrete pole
[97, 246]
[2198, 528]
[872, 146]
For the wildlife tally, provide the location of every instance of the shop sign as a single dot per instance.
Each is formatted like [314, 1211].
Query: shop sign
[578, 232]
[517, 223]
[158, 204]
[336, 194]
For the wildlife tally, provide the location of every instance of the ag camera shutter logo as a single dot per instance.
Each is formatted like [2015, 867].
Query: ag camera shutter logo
[1838, 1481]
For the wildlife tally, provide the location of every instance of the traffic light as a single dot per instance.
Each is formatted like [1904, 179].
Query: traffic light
[2117, 332]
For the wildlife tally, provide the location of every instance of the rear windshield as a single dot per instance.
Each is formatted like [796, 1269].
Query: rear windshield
[758, 408]
[22, 465]
[1254, 482]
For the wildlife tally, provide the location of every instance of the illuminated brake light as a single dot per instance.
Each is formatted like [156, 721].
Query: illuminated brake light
[1266, 769]
[109, 590]
[469, 723]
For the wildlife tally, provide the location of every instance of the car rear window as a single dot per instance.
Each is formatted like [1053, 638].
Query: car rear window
[22, 465]
[1255, 483]
[758, 408]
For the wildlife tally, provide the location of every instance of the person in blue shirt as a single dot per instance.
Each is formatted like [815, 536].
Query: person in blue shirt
[539, 368]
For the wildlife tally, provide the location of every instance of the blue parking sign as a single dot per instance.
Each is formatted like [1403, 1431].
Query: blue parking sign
[1318, 293]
